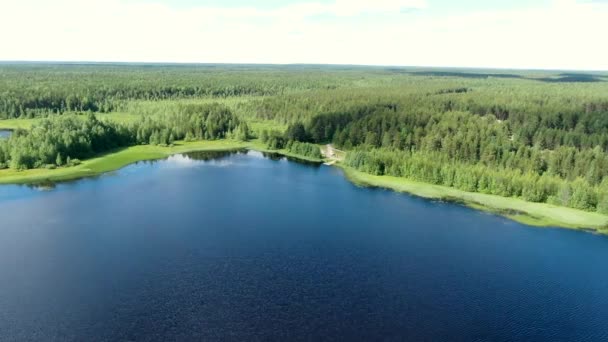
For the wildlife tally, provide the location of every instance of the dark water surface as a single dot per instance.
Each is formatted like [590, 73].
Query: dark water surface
[247, 248]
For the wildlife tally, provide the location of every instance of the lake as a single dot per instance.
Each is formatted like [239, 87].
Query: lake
[4, 133]
[238, 246]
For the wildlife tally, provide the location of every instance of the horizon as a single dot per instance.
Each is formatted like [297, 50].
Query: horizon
[405, 67]
[520, 35]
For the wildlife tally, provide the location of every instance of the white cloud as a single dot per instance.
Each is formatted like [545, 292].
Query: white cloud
[567, 34]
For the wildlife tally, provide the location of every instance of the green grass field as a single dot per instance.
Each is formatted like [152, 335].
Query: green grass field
[257, 126]
[17, 123]
[535, 214]
[28, 123]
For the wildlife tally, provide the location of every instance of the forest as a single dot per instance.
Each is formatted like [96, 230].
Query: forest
[537, 135]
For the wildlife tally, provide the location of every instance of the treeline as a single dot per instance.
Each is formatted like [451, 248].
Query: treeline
[435, 168]
[63, 140]
[276, 140]
[304, 149]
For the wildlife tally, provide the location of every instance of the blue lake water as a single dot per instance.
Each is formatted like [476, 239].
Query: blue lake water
[4, 133]
[242, 247]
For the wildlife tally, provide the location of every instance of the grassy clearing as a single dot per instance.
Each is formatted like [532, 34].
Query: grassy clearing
[147, 107]
[28, 123]
[127, 117]
[17, 123]
[124, 118]
[257, 126]
[535, 214]
[113, 161]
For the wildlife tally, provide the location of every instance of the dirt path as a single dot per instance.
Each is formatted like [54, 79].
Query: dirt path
[333, 154]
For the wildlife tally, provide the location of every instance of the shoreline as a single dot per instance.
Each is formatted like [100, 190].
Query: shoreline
[117, 159]
[114, 160]
[529, 213]
[521, 211]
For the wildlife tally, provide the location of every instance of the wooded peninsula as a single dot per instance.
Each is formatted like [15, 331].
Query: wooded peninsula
[535, 138]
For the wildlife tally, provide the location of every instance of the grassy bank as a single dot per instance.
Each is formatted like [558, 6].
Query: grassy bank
[535, 214]
[113, 161]
[120, 158]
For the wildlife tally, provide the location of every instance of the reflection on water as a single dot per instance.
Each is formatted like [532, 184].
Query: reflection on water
[44, 185]
[277, 156]
[211, 155]
[182, 160]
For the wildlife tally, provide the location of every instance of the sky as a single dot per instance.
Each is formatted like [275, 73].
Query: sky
[531, 34]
